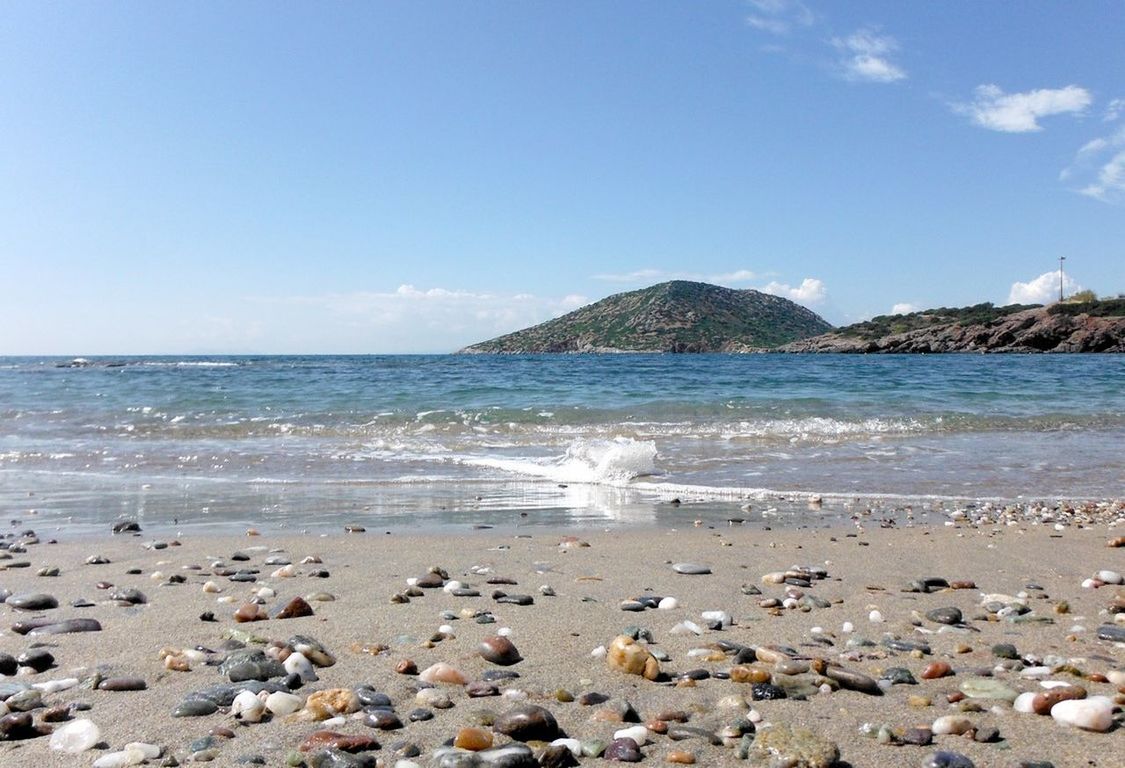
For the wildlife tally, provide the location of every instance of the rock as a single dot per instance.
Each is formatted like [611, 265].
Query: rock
[623, 751]
[935, 670]
[383, 720]
[321, 705]
[1005, 651]
[481, 688]
[281, 703]
[297, 664]
[472, 739]
[558, 756]
[313, 650]
[947, 760]
[247, 707]
[794, 747]
[1112, 632]
[527, 722]
[74, 737]
[126, 526]
[62, 627]
[499, 650]
[334, 758]
[250, 664]
[250, 612]
[17, 725]
[951, 724]
[986, 688]
[340, 741]
[626, 655]
[946, 615]
[691, 569]
[129, 596]
[32, 601]
[295, 608]
[919, 737]
[851, 680]
[443, 673]
[122, 684]
[38, 659]
[514, 599]
[1091, 714]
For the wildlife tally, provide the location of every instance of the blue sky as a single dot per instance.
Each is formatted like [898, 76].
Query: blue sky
[416, 176]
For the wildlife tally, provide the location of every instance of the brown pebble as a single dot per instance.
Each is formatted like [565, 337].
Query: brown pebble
[473, 739]
[341, 741]
[249, 612]
[295, 608]
[56, 714]
[657, 726]
[673, 716]
[954, 697]
[1117, 542]
[919, 702]
[963, 648]
[1042, 702]
[963, 584]
[681, 757]
[744, 673]
[935, 670]
[406, 667]
[219, 730]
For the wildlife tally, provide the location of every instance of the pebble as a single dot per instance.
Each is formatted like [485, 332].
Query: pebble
[623, 751]
[691, 569]
[947, 760]
[794, 747]
[1091, 714]
[74, 737]
[443, 673]
[626, 655]
[499, 650]
[32, 601]
[527, 722]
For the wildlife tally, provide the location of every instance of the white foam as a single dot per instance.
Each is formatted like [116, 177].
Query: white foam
[585, 461]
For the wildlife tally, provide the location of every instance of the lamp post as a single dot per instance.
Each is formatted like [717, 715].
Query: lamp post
[1061, 260]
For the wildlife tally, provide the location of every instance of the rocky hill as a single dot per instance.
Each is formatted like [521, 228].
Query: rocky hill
[1097, 326]
[677, 316]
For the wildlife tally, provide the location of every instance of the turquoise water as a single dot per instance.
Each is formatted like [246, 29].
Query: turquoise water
[587, 439]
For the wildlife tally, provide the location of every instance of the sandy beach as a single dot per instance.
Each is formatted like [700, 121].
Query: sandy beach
[577, 581]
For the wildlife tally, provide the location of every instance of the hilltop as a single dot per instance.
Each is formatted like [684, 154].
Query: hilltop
[677, 316]
[1092, 326]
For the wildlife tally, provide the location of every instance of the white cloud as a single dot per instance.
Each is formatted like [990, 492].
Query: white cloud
[866, 57]
[810, 291]
[1114, 110]
[408, 319]
[1020, 112]
[1098, 169]
[904, 308]
[779, 17]
[1042, 290]
[648, 276]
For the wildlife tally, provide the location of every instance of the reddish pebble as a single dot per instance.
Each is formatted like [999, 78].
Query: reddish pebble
[936, 669]
[657, 726]
[683, 758]
[249, 612]
[963, 584]
[406, 667]
[954, 697]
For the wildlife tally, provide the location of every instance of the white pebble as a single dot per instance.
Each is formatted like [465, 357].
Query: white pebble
[722, 617]
[789, 603]
[637, 733]
[302, 666]
[1053, 684]
[600, 652]
[406, 764]
[668, 604]
[451, 585]
[284, 572]
[515, 694]
[445, 629]
[74, 737]
[686, 628]
[226, 599]
[150, 751]
[504, 631]
[1109, 577]
[1094, 713]
[1116, 676]
[281, 703]
[247, 707]
[847, 627]
[265, 593]
[875, 617]
[1090, 584]
[54, 686]
[574, 745]
[120, 759]
[754, 716]
[334, 722]
[211, 587]
[951, 724]
[1024, 703]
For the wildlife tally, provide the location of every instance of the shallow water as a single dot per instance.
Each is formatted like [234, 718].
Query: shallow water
[591, 439]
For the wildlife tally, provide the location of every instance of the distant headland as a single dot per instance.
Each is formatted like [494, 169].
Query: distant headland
[684, 316]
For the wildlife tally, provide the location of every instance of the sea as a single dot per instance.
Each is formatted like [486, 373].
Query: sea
[401, 443]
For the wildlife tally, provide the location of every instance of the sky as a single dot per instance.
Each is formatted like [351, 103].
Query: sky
[413, 177]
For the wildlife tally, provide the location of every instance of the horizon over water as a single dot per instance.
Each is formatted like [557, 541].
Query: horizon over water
[433, 441]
